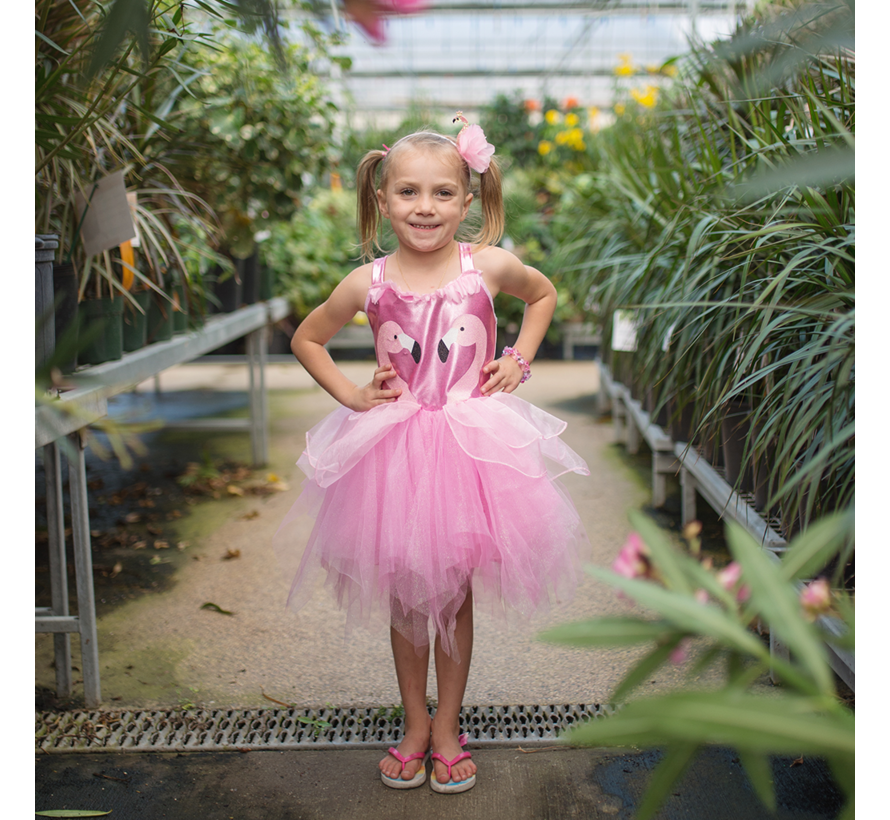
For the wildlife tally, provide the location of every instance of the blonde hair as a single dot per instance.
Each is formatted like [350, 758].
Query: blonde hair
[373, 172]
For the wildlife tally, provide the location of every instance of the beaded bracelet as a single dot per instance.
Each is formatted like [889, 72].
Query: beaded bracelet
[517, 357]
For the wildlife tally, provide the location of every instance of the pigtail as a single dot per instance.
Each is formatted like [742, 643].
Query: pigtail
[491, 198]
[368, 210]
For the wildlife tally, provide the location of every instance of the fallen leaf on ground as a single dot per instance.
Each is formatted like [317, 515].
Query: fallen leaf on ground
[162, 545]
[182, 545]
[272, 478]
[71, 813]
[216, 608]
[118, 568]
[252, 514]
[140, 545]
[278, 486]
[232, 489]
[153, 529]
[132, 518]
[156, 559]
[230, 554]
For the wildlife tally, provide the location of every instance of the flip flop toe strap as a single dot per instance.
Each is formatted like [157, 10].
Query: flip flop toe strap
[450, 763]
[405, 759]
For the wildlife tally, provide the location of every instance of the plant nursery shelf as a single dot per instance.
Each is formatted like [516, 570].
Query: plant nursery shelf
[87, 403]
[632, 425]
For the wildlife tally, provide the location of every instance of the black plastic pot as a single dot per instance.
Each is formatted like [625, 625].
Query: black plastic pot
[250, 279]
[679, 422]
[160, 319]
[135, 323]
[102, 320]
[228, 291]
[180, 310]
[734, 433]
[661, 418]
[65, 297]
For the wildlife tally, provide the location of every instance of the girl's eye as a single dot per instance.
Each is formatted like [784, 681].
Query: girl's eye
[407, 191]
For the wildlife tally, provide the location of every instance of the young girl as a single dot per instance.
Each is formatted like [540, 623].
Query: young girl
[433, 485]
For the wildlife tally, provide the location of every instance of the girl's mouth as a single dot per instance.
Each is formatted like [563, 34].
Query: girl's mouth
[424, 227]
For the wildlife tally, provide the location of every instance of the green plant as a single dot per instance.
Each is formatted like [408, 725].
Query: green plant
[250, 135]
[93, 119]
[723, 218]
[312, 252]
[690, 600]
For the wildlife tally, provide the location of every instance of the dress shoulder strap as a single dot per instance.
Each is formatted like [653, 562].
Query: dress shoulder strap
[466, 257]
[378, 270]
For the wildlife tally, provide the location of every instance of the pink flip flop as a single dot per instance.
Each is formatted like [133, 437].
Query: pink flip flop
[396, 782]
[451, 787]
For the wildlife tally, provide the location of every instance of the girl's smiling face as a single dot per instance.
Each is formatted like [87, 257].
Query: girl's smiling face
[424, 198]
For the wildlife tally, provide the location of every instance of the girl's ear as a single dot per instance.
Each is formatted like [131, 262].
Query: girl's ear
[467, 200]
[381, 204]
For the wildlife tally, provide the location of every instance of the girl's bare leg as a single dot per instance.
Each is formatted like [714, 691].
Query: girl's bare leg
[451, 679]
[411, 672]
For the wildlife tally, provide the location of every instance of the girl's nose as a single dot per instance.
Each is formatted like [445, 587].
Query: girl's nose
[424, 203]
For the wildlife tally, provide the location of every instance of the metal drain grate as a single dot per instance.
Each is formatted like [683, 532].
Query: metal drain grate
[230, 729]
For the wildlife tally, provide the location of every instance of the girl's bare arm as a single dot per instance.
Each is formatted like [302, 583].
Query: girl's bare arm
[317, 329]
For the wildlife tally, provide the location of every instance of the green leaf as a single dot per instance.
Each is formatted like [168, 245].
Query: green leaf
[757, 767]
[816, 546]
[768, 725]
[664, 555]
[644, 669]
[608, 632]
[684, 612]
[676, 760]
[777, 601]
[71, 813]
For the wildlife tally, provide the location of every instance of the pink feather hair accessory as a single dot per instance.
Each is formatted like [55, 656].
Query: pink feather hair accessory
[472, 145]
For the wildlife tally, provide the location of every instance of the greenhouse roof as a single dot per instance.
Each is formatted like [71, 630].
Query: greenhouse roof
[459, 54]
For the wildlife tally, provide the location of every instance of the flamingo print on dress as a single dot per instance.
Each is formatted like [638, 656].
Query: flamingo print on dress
[391, 340]
[467, 330]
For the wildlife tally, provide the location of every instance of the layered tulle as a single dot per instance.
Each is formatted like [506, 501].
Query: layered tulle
[413, 506]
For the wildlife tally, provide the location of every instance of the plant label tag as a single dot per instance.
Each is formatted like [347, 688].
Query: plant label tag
[107, 222]
[624, 331]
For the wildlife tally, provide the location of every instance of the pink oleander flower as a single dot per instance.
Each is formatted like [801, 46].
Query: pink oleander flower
[680, 652]
[815, 598]
[368, 14]
[729, 578]
[474, 148]
[633, 560]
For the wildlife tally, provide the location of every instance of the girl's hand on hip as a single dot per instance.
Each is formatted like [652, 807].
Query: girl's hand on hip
[505, 374]
[373, 393]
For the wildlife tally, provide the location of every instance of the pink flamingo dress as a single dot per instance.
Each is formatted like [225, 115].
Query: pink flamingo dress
[444, 490]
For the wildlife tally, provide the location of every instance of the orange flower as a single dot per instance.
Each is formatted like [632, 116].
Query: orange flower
[532, 105]
[569, 103]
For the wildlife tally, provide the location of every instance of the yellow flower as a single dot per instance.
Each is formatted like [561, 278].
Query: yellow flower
[646, 98]
[669, 70]
[552, 116]
[619, 108]
[575, 139]
[545, 147]
[562, 137]
[571, 120]
[625, 67]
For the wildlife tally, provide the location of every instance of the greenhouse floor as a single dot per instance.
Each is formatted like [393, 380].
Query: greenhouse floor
[162, 650]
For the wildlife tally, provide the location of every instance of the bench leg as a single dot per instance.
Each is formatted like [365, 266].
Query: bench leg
[256, 365]
[662, 465]
[58, 568]
[632, 436]
[619, 419]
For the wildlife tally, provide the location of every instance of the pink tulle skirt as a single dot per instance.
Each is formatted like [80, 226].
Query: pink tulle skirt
[413, 507]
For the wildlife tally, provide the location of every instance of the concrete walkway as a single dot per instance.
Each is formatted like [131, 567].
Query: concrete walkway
[164, 651]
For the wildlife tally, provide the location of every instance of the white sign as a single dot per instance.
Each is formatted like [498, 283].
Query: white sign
[107, 222]
[624, 331]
